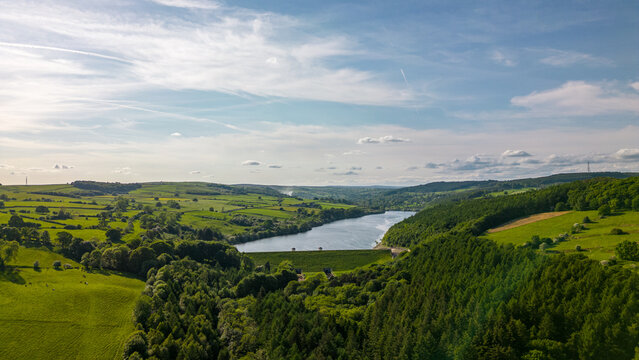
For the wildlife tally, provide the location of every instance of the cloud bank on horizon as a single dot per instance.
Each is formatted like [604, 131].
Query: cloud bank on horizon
[334, 94]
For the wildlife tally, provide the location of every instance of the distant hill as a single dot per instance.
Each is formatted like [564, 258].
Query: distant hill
[495, 185]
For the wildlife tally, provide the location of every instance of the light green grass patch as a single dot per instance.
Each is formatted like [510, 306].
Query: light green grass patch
[315, 261]
[595, 241]
[74, 321]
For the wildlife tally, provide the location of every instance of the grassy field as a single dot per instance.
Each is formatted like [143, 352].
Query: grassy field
[63, 314]
[314, 261]
[200, 205]
[595, 241]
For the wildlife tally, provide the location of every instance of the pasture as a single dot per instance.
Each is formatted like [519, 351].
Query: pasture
[595, 240]
[63, 314]
[315, 261]
[199, 205]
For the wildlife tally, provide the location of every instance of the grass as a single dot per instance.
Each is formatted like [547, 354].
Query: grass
[74, 321]
[224, 202]
[315, 261]
[595, 241]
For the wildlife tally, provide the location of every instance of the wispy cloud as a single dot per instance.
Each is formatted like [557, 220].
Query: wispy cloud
[381, 140]
[500, 58]
[579, 98]
[191, 4]
[562, 58]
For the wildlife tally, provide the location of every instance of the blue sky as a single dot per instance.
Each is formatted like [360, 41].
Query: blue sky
[315, 93]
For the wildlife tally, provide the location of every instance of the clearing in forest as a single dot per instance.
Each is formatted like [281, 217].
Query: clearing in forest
[527, 220]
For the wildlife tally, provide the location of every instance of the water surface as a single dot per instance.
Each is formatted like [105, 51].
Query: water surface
[348, 234]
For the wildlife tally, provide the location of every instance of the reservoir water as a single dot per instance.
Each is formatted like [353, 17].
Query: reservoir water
[348, 234]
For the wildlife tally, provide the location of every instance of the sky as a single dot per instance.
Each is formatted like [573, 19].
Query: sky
[316, 93]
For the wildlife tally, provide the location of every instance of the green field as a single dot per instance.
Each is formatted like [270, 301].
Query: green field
[53, 314]
[314, 261]
[200, 205]
[595, 241]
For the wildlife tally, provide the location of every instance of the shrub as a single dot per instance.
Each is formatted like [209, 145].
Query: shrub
[578, 247]
[604, 210]
[57, 264]
[617, 231]
[36, 265]
[586, 220]
[67, 266]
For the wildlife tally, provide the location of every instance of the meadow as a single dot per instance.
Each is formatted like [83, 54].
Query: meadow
[315, 261]
[63, 314]
[595, 239]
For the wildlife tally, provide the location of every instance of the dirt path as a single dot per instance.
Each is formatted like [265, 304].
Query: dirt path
[394, 250]
[527, 220]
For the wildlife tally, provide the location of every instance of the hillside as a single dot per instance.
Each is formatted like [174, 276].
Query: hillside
[64, 314]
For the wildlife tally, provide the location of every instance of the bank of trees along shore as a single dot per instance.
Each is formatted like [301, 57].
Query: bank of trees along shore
[453, 296]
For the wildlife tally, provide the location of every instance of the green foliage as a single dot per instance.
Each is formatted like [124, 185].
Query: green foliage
[604, 210]
[8, 252]
[617, 231]
[627, 250]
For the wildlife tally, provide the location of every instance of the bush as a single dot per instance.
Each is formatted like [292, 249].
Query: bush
[57, 264]
[617, 231]
[586, 220]
[67, 266]
[578, 247]
[36, 265]
[604, 210]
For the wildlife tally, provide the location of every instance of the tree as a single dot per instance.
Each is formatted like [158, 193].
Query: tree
[8, 252]
[41, 209]
[604, 210]
[627, 250]
[36, 265]
[113, 235]
[45, 238]
[64, 239]
[16, 221]
[57, 264]
[135, 343]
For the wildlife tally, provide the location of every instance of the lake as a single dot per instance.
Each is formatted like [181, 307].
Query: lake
[359, 233]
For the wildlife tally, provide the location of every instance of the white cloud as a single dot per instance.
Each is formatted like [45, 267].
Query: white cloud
[275, 166]
[500, 58]
[123, 171]
[251, 163]
[176, 134]
[156, 159]
[575, 98]
[635, 85]
[68, 59]
[515, 153]
[381, 140]
[566, 58]
[628, 154]
[194, 4]
[194, 172]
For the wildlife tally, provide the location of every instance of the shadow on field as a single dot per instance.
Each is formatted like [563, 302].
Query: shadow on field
[12, 275]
